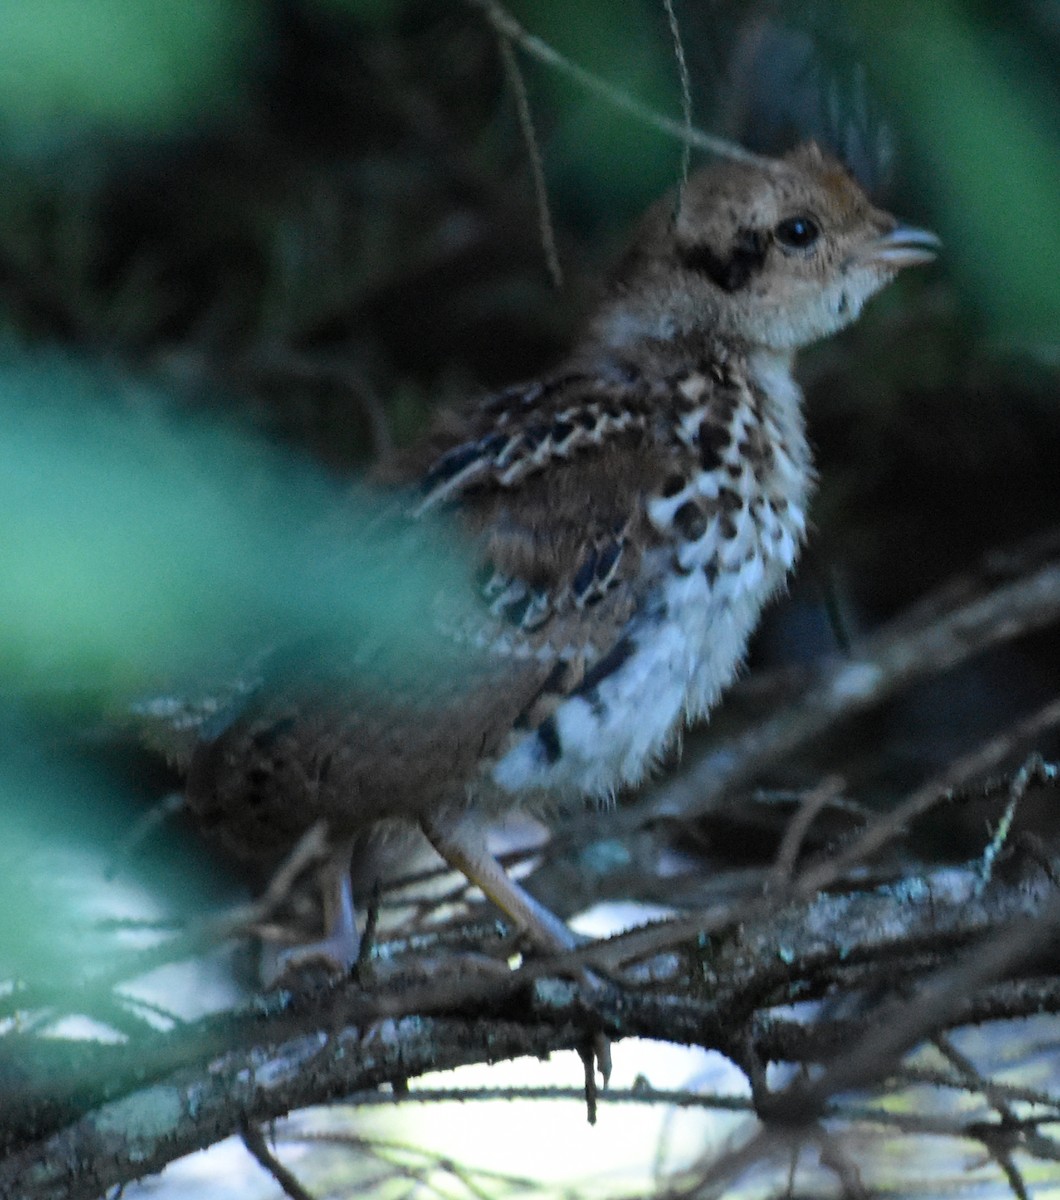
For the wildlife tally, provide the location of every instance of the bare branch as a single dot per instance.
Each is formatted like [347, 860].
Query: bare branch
[254, 1140]
[533, 153]
[885, 664]
[508, 27]
[686, 95]
[162, 1095]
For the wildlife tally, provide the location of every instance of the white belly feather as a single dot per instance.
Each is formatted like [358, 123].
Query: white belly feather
[689, 643]
[688, 640]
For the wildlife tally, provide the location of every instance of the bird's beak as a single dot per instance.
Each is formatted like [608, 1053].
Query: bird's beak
[903, 246]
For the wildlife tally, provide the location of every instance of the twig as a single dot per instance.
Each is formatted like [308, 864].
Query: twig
[533, 152]
[836, 1161]
[883, 665]
[1006, 1091]
[638, 1094]
[661, 936]
[389, 1150]
[508, 27]
[254, 1140]
[154, 1123]
[240, 920]
[997, 1143]
[795, 834]
[210, 1075]
[999, 836]
[686, 97]
[898, 1026]
[970, 766]
[312, 847]
[142, 829]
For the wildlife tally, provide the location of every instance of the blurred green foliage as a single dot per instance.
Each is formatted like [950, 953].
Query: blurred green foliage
[135, 65]
[980, 112]
[61, 826]
[136, 546]
[142, 552]
[597, 156]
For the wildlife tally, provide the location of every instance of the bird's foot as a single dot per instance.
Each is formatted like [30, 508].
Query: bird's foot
[333, 955]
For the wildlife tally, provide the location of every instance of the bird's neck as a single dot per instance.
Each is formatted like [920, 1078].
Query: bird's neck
[774, 373]
[771, 372]
[618, 341]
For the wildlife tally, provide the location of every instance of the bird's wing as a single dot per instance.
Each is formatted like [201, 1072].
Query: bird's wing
[529, 429]
[551, 485]
[553, 488]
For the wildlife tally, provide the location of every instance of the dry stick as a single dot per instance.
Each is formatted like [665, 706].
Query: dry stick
[1034, 770]
[984, 759]
[686, 97]
[865, 1114]
[835, 1160]
[238, 921]
[1012, 1093]
[903, 1023]
[140, 1132]
[658, 937]
[883, 665]
[389, 1151]
[1012, 1174]
[254, 1140]
[1030, 602]
[899, 1026]
[508, 27]
[274, 1064]
[975, 1082]
[533, 151]
[663, 935]
[826, 792]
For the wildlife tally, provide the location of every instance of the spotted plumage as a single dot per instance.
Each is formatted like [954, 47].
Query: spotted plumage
[629, 515]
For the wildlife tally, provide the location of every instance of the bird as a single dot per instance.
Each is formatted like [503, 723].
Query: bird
[627, 517]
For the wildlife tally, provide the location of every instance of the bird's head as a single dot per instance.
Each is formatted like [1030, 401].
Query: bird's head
[774, 256]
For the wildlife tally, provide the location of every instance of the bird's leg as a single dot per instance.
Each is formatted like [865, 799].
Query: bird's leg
[340, 923]
[338, 949]
[463, 846]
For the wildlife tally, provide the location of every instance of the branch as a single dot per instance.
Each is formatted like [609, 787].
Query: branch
[882, 666]
[509, 29]
[194, 1107]
[167, 1094]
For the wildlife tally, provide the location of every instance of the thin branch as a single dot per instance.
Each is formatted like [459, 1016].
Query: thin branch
[901, 1024]
[1013, 1176]
[824, 794]
[533, 152]
[138, 1133]
[882, 666]
[254, 1140]
[1034, 770]
[686, 97]
[661, 936]
[204, 1079]
[508, 27]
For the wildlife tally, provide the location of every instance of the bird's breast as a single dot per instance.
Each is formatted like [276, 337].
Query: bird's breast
[728, 521]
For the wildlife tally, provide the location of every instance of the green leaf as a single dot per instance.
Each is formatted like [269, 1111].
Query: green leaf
[980, 116]
[137, 65]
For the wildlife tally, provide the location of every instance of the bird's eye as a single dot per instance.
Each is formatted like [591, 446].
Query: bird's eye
[798, 232]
